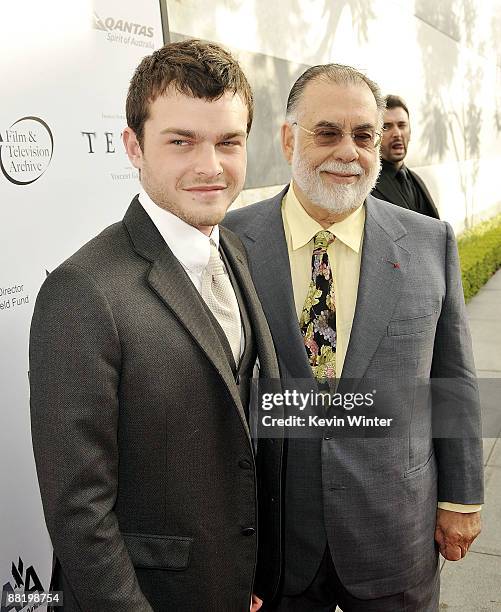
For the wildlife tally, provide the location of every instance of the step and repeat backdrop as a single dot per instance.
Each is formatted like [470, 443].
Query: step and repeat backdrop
[65, 69]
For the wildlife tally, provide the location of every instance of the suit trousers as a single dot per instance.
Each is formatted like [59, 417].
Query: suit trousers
[326, 592]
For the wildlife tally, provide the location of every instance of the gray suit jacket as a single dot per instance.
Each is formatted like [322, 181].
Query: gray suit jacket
[145, 462]
[378, 496]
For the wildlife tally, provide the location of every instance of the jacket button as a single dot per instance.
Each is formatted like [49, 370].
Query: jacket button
[245, 464]
[248, 531]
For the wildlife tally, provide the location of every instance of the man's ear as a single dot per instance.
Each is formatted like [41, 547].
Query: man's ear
[287, 139]
[132, 147]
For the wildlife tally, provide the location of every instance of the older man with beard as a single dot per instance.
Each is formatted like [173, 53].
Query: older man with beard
[358, 290]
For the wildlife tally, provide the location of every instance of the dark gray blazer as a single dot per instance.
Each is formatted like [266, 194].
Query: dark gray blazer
[387, 190]
[379, 496]
[142, 446]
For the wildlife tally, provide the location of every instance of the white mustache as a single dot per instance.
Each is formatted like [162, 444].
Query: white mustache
[350, 168]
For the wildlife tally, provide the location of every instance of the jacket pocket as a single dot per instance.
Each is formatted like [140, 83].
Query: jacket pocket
[158, 551]
[417, 469]
[416, 325]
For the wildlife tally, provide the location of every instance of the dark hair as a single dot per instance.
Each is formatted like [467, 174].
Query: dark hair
[195, 68]
[339, 74]
[393, 101]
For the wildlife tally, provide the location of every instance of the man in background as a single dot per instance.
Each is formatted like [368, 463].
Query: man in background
[142, 347]
[366, 292]
[397, 183]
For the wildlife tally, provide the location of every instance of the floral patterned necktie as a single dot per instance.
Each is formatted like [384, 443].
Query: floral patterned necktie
[318, 317]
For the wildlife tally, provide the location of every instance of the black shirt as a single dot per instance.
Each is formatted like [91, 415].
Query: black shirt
[408, 187]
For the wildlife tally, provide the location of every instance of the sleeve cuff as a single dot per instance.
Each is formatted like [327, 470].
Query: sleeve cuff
[464, 508]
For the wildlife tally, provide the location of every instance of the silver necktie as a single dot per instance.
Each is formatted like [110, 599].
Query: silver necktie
[218, 294]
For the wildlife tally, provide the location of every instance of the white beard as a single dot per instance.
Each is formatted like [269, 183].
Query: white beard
[334, 197]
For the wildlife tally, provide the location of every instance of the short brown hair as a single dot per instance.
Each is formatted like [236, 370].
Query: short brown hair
[195, 68]
[393, 101]
[339, 74]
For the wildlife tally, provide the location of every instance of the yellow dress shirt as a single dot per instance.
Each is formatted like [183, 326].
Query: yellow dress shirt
[345, 255]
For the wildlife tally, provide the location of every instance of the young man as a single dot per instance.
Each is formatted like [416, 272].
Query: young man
[142, 347]
[358, 289]
[397, 183]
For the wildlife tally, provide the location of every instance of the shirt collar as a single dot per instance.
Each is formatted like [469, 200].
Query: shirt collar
[189, 245]
[302, 227]
[390, 168]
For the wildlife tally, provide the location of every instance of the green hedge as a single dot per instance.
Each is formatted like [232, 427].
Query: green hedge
[480, 255]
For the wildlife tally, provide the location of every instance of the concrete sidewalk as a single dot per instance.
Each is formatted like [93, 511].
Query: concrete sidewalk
[474, 584]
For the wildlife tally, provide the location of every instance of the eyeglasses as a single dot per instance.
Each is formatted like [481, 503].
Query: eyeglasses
[364, 138]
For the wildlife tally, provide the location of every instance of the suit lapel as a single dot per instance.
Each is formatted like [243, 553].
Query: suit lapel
[267, 250]
[382, 273]
[427, 195]
[260, 330]
[168, 279]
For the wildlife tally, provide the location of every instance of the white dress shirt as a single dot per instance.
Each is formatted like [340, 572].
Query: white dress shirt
[190, 247]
